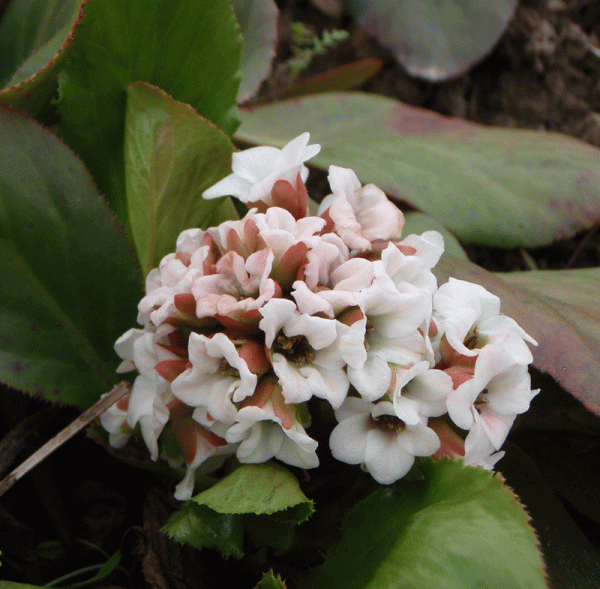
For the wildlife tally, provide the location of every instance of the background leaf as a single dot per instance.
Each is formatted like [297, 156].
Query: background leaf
[172, 155]
[68, 285]
[487, 185]
[258, 21]
[459, 528]
[560, 309]
[435, 40]
[34, 36]
[188, 48]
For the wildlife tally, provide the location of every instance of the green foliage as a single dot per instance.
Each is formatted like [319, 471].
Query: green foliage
[435, 40]
[172, 155]
[270, 581]
[263, 502]
[499, 187]
[68, 286]
[34, 36]
[459, 528]
[177, 45]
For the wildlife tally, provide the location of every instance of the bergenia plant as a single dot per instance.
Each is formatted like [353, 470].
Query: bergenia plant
[249, 324]
[318, 389]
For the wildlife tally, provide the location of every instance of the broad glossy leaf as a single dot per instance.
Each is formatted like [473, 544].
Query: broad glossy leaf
[172, 154]
[34, 36]
[487, 185]
[560, 309]
[68, 284]
[258, 21]
[188, 48]
[435, 40]
[458, 528]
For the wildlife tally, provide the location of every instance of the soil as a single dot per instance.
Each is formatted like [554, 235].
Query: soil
[543, 74]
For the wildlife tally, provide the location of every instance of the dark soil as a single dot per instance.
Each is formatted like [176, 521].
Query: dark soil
[543, 74]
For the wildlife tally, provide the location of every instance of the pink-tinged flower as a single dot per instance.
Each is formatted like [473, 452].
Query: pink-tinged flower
[269, 428]
[393, 335]
[196, 443]
[373, 435]
[218, 376]
[419, 391]
[360, 214]
[304, 352]
[469, 317]
[256, 170]
[114, 421]
[497, 393]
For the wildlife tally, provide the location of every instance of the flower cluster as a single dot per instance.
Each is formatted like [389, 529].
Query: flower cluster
[248, 321]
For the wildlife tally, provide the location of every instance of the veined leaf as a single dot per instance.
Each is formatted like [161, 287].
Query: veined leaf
[34, 36]
[68, 284]
[172, 154]
[459, 528]
[487, 185]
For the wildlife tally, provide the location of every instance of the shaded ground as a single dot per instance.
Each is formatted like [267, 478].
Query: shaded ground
[543, 75]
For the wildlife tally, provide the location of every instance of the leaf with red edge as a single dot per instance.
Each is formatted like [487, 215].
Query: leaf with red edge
[68, 282]
[558, 308]
[34, 38]
[501, 187]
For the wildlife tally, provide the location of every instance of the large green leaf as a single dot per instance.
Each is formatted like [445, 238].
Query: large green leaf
[189, 48]
[487, 185]
[172, 154]
[435, 40]
[68, 285]
[560, 309]
[34, 36]
[458, 528]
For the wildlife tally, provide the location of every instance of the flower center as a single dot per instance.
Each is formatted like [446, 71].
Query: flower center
[471, 341]
[295, 349]
[225, 369]
[481, 401]
[389, 423]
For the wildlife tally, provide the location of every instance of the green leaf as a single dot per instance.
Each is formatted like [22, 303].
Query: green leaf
[188, 48]
[258, 21]
[201, 527]
[68, 285]
[270, 581]
[34, 36]
[172, 155]
[435, 40]
[458, 528]
[558, 308]
[262, 502]
[259, 489]
[487, 185]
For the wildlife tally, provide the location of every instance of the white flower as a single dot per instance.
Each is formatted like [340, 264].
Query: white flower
[373, 435]
[256, 170]
[268, 428]
[304, 352]
[361, 214]
[497, 393]
[114, 421]
[469, 317]
[217, 378]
